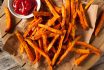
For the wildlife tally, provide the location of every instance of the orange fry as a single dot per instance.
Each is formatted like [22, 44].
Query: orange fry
[35, 47]
[53, 11]
[73, 7]
[8, 19]
[26, 47]
[41, 13]
[52, 42]
[84, 16]
[88, 4]
[50, 29]
[81, 51]
[81, 59]
[31, 26]
[69, 49]
[58, 51]
[81, 20]
[97, 51]
[44, 42]
[100, 24]
[37, 57]
[63, 16]
[21, 49]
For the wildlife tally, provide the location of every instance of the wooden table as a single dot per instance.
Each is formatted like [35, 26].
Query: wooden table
[7, 62]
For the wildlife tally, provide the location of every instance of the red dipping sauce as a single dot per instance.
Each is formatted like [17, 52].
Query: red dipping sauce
[24, 7]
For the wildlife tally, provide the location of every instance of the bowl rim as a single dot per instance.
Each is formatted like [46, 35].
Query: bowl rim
[22, 16]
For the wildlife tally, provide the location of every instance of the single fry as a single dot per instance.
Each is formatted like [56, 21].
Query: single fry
[41, 13]
[37, 57]
[8, 19]
[26, 47]
[81, 51]
[21, 49]
[84, 17]
[51, 21]
[81, 59]
[44, 36]
[81, 20]
[73, 30]
[63, 16]
[84, 44]
[88, 4]
[50, 29]
[59, 50]
[31, 26]
[35, 47]
[73, 7]
[53, 11]
[52, 42]
[40, 43]
[69, 49]
[100, 24]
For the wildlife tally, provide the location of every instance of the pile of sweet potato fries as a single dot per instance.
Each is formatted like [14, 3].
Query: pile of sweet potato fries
[52, 34]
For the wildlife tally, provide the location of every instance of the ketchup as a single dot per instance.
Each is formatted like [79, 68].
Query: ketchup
[24, 7]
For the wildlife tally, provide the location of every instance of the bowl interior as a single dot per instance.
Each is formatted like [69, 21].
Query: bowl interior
[22, 16]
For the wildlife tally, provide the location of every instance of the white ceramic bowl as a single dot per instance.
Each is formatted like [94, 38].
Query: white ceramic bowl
[19, 15]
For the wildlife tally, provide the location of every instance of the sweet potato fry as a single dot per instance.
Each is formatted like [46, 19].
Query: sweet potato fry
[51, 21]
[81, 59]
[73, 30]
[59, 50]
[41, 13]
[37, 57]
[53, 11]
[50, 29]
[40, 43]
[44, 37]
[81, 51]
[34, 46]
[8, 19]
[21, 49]
[84, 17]
[81, 20]
[101, 22]
[88, 4]
[31, 26]
[52, 42]
[73, 7]
[26, 47]
[84, 44]
[63, 16]
[69, 49]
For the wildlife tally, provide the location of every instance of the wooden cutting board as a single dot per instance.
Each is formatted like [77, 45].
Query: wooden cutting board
[11, 46]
